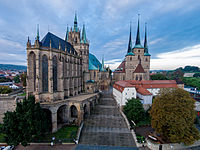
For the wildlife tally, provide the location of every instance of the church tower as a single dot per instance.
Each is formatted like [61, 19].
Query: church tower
[137, 61]
[80, 43]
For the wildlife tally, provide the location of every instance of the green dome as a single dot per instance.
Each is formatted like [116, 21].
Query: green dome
[138, 46]
[147, 54]
[130, 54]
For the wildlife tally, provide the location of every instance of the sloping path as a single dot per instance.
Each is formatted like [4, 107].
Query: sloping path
[106, 127]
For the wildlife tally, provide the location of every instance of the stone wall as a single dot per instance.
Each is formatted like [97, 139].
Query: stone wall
[6, 104]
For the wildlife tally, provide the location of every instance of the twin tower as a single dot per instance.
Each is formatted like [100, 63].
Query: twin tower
[136, 64]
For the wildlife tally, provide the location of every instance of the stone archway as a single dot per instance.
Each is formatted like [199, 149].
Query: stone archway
[49, 118]
[73, 112]
[62, 116]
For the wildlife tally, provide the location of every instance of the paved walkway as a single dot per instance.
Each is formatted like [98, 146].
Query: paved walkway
[106, 127]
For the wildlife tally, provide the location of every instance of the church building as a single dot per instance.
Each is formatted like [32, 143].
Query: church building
[136, 64]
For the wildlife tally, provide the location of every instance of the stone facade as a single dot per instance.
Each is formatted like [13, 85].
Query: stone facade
[58, 70]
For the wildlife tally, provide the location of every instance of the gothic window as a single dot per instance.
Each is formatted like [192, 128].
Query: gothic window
[94, 74]
[130, 58]
[32, 70]
[75, 40]
[55, 68]
[44, 73]
[138, 57]
[140, 77]
[146, 59]
[136, 77]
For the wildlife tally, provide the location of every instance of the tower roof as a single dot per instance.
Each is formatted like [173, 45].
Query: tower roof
[137, 42]
[38, 34]
[75, 23]
[67, 34]
[93, 61]
[139, 69]
[130, 42]
[146, 53]
[102, 65]
[83, 38]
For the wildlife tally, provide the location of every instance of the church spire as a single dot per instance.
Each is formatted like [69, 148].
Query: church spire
[84, 39]
[145, 39]
[137, 42]
[75, 23]
[67, 34]
[130, 41]
[38, 35]
[102, 65]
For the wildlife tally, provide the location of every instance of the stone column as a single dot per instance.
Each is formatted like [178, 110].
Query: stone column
[80, 114]
[54, 119]
[50, 73]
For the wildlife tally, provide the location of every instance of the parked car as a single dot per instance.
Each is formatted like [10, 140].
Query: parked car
[9, 148]
[2, 147]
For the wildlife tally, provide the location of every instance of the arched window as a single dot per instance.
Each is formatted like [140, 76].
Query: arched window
[146, 59]
[32, 70]
[136, 77]
[138, 57]
[130, 58]
[94, 74]
[75, 40]
[140, 77]
[55, 79]
[44, 73]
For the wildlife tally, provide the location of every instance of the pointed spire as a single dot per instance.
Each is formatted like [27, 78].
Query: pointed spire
[38, 35]
[83, 38]
[102, 65]
[137, 42]
[67, 34]
[130, 41]
[145, 39]
[75, 23]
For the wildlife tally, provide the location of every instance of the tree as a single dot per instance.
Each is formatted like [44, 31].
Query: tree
[173, 116]
[134, 110]
[23, 79]
[158, 77]
[16, 79]
[27, 122]
[5, 90]
[196, 75]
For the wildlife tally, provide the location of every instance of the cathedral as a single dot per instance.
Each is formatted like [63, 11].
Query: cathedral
[61, 68]
[136, 64]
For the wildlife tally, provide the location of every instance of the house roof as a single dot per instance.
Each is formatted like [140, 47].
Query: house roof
[139, 69]
[143, 91]
[142, 86]
[55, 40]
[121, 67]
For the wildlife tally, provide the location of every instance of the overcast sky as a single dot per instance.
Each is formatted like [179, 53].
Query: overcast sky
[173, 28]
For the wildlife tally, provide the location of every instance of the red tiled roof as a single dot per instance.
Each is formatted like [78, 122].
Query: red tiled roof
[121, 67]
[139, 69]
[143, 91]
[145, 84]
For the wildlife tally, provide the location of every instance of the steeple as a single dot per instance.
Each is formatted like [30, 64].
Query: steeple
[38, 35]
[83, 38]
[102, 65]
[137, 42]
[146, 53]
[145, 39]
[130, 41]
[75, 23]
[67, 34]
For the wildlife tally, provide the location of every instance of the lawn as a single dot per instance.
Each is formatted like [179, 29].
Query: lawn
[65, 134]
[23, 94]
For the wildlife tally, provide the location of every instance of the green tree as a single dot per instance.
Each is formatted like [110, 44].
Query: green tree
[23, 79]
[196, 75]
[173, 116]
[134, 110]
[16, 79]
[5, 90]
[158, 77]
[27, 122]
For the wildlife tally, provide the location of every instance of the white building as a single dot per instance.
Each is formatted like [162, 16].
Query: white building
[144, 90]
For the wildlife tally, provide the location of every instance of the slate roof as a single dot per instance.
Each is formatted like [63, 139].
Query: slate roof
[45, 42]
[121, 68]
[94, 63]
[139, 69]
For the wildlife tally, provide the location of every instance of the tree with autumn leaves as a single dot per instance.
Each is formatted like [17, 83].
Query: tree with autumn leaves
[173, 116]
